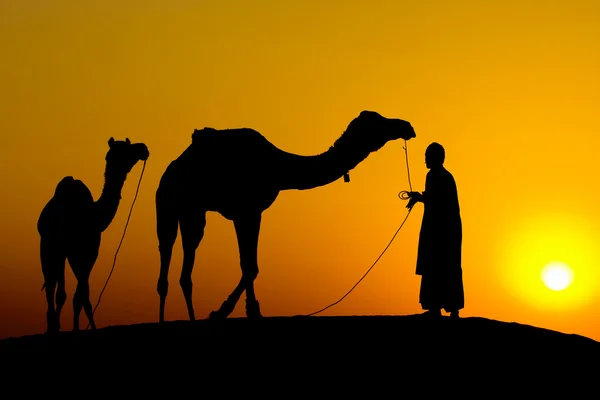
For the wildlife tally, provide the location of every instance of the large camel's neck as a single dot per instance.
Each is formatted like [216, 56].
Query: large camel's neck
[308, 172]
[108, 203]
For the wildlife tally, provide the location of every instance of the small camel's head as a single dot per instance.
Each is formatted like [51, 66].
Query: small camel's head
[123, 155]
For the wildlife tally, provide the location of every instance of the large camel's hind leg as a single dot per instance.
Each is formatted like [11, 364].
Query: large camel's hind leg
[53, 269]
[247, 229]
[82, 265]
[167, 224]
[192, 225]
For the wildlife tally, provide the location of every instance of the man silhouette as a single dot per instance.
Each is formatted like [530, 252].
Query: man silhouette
[440, 238]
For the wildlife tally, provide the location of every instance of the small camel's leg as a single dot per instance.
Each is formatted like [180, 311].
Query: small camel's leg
[61, 294]
[81, 299]
[77, 306]
[53, 269]
[82, 264]
[192, 230]
[87, 304]
[248, 230]
[52, 320]
[167, 224]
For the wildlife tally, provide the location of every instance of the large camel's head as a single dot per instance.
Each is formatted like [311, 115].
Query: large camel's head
[123, 155]
[370, 131]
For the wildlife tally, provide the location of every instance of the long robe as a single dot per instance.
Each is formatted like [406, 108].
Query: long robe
[440, 244]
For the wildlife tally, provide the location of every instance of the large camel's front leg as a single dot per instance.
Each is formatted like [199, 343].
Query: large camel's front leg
[247, 229]
[192, 230]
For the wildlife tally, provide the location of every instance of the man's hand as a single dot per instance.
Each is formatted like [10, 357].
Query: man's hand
[415, 195]
[411, 204]
[414, 198]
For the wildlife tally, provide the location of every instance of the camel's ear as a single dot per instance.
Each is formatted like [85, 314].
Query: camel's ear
[111, 141]
[127, 141]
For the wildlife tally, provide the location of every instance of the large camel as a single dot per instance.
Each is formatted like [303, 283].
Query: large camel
[71, 226]
[238, 173]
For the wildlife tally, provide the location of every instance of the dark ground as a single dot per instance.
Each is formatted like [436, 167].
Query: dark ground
[282, 357]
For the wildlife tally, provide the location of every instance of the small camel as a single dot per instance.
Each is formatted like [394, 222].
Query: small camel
[239, 174]
[71, 226]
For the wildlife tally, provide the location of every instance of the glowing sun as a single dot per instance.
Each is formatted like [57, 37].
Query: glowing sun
[557, 276]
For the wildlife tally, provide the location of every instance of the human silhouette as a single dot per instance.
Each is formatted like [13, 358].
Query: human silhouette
[71, 225]
[440, 238]
[239, 174]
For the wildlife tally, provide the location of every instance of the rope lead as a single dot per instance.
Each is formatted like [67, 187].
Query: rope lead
[403, 195]
[121, 242]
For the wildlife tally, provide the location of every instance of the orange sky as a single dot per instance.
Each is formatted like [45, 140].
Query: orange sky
[511, 89]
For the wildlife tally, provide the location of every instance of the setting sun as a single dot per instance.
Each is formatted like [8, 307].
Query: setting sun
[557, 275]
[543, 253]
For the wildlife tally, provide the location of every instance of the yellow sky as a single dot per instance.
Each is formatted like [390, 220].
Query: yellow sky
[510, 88]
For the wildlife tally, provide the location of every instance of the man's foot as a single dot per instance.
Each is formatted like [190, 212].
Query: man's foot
[454, 314]
[432, 313]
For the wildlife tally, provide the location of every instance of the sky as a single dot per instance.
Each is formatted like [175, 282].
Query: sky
[511, 89]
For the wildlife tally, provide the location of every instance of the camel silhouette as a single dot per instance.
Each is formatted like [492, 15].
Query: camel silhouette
[71, 226]
[239, 174]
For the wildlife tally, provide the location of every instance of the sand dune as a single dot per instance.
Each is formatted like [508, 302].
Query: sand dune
[338, 354]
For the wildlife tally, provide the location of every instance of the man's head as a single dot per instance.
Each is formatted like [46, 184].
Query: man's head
[434, 155]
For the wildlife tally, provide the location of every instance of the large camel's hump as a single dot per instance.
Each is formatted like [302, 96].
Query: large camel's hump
[232, 137]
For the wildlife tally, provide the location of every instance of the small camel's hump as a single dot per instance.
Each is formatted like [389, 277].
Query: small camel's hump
[69, 206]
[72, 190]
